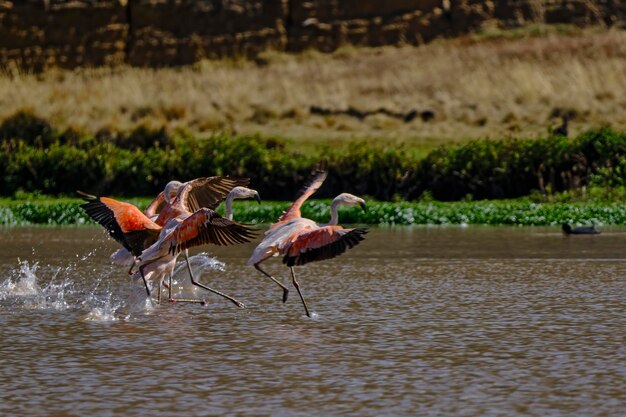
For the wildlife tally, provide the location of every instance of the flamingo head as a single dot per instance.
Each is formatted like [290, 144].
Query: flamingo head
[347, 199]
[243, 192]
[171, 189]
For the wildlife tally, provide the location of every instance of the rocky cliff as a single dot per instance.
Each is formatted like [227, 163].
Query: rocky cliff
[38, 34]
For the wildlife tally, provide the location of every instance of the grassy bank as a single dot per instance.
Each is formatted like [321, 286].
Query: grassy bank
[482, 86]
[506, 212]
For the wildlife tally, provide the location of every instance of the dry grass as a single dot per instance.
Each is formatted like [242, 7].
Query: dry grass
[489, 88]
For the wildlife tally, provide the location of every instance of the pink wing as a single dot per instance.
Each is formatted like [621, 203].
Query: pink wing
[319, 244]
[156, 206]
[306, 192]
[207, 227]
[124, 222]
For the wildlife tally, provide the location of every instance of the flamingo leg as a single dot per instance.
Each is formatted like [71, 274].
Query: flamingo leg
[194, 282]
[145, 282]
[285, 289]
[159, 295]
[295, 284]
[181, 300]
[169, 287]
[130, 270]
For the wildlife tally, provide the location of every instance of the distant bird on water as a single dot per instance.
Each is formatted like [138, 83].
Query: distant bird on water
[586, 230]
[300, 240]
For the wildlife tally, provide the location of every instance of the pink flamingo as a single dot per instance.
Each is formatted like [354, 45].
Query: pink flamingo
[205, 226]
[136, 232]
[166, 264]
[300, 240]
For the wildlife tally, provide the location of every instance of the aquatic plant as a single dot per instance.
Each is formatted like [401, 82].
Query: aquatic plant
[520, 212]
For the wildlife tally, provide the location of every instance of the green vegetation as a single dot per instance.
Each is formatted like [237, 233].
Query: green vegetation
[36, 158]
[484, 169]
[506, 212]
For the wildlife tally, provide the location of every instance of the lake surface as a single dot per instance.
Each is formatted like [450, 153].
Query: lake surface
[477, 321]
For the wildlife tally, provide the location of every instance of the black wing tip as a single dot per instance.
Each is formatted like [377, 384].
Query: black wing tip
[348, 241]
[245, 233]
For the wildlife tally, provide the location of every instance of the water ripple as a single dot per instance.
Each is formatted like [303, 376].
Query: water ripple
[485, 333]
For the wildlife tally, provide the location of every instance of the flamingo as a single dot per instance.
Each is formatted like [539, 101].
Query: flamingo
[165, 198]
[136, 231]
[167, 264]
[180, 234]
[300, 240]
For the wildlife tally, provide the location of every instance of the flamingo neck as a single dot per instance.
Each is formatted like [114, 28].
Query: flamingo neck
[229, 206]
[334, 212]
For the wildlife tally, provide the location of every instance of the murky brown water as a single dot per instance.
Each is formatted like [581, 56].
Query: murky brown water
[415, 321]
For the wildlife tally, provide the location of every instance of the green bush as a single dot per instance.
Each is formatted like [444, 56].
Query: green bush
[31, 129]
[485, 169]
[36, 158]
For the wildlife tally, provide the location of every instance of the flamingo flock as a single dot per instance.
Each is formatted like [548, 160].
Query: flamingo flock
[184, 216]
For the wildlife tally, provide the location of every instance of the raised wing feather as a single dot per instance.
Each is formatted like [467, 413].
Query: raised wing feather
[314, 184]
[156, 205]
[322, 243]
[206, 226]
[207, 192]
[118, 218]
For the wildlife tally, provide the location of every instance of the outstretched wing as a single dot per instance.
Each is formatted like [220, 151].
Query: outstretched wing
[156, 205]
[316, 182]
[206, 226]
[118, 218]
[323, 243]
[207, 192]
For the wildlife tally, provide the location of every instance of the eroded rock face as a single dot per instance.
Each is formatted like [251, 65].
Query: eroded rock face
[37, 34]
[183, 32]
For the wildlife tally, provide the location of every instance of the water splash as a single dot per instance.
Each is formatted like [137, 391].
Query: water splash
[200, 264]
[87, 255]
[22, 287]
[21, 283]
[32, 286]
[103, 313]
[53, 296]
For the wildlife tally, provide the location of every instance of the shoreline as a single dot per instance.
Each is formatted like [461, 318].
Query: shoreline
[521, 212]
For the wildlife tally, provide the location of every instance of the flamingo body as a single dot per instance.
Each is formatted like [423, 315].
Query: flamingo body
[300, 240]
[203, 226]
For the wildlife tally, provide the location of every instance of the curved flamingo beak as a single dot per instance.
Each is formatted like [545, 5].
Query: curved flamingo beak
[363, 205]
[257, 197]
